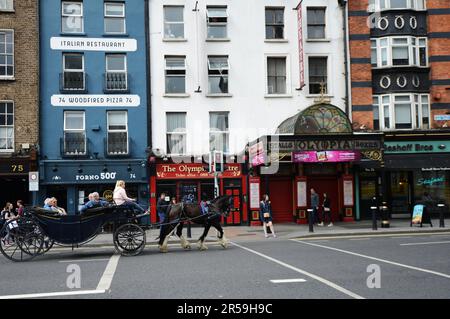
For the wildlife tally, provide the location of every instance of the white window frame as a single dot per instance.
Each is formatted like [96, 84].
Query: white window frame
[413, 44]
[75, 70]
[381, 5]
[177, 132]
[221, 133]
[329, 92]
[416, 111]
[117, 131]
[7, 5]
[124, 71]
[166, 69]
[165, 37]
[114, 17]
[81, 15]
[216, 24]
[272, 24]
[82, 130]
[325, 23]
[9, 150]
[227, 76]
[7, 77]
[288, 75]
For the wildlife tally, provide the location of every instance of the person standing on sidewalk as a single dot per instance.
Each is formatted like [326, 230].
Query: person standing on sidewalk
[326, 210]
[265, 215]
[161, 207]
[315, 205]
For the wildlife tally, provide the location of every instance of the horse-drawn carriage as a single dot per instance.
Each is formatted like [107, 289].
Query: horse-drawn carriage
[36, 232]
[39, 229]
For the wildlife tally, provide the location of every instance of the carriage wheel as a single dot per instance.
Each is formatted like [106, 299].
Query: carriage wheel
[48, 244]
[129, 239]
[24, 242]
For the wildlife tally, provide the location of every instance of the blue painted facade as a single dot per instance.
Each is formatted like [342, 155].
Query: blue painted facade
[71, 177]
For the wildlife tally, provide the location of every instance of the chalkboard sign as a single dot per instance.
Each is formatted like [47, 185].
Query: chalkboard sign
[420, 215]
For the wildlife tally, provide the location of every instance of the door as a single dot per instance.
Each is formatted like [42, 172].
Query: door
[235, 216]
[323, 185]
[188, 192]
[400, 184]
[281, 198]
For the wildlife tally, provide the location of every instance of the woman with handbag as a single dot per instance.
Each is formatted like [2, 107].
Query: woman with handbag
[327, 209]
[265, 215]
[9, 216]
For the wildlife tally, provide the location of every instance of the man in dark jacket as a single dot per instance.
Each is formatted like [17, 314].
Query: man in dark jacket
[161, 208]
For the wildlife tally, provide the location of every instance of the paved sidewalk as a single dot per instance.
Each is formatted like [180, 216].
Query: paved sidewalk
[289, 231]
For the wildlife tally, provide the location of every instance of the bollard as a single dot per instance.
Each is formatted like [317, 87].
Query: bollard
[441, 215]
[311, 220]
[189, 234]
[374, 217]
[384, 216]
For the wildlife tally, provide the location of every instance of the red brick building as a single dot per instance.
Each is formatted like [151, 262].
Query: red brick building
[19, 99]
[400, 84]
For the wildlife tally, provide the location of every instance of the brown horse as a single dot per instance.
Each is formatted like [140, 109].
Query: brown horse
[181, 212]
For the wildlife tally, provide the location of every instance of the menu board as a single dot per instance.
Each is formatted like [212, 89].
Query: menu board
[418, 214]
[254, 193]
[301, 194]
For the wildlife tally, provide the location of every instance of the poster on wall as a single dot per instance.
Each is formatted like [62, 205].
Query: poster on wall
[301, 194]
[254, 194]
[348, 193]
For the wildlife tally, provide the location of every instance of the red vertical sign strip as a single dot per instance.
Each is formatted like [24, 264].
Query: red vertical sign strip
[300, 45]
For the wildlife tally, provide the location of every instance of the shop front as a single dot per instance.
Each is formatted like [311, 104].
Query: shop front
[14, 173]
[191, 182]
[417, 170]
[71, 182]
[316, 149]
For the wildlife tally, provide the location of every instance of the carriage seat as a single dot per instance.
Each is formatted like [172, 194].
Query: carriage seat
[43, 211]
[96, 210]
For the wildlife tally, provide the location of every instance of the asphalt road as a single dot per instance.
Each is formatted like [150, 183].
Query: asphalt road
[336, 268]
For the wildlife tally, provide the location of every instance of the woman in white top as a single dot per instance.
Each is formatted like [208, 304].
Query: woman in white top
[120, 197]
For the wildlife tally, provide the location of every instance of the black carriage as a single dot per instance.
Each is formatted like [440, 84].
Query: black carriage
[39, 229]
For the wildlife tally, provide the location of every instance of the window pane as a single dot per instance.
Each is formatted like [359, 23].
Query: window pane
[400, 56]
[316, 32]
[316, 16]
[217, 12]
[217, 32]
[73, 62]
[175, 63]
[117, 119]
[218, 84]
[173, 30]
[175, 84]
[218, 121]
[114, 25]
[74, 121]
[403, 116]
[115, 63]
[176, 143]
[173, 14]
[398, 4]
[72, 8]
[176, 122]
[115, 9]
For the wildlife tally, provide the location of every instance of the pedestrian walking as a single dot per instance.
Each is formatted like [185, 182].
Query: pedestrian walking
[315, 206]
[265, 215]
[20, 207]
[326, 206]
[161, 207]
[8, 215]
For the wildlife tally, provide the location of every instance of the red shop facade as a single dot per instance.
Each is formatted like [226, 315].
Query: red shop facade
[190, 182]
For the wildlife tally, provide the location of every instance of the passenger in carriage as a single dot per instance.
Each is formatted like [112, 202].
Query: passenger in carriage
[94, 202]
[51, 204]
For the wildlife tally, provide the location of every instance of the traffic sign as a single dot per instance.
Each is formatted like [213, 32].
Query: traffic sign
[33, 181]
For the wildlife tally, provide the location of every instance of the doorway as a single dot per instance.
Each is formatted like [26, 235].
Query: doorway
[233, 188]
[329, 185]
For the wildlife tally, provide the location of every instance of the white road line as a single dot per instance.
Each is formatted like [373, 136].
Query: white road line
[54, 294]
[286, 281]
[322, 280]
[377, 259]
[106, 280]
[402, 237]
[426, 243]
[82, 260]
[358, 239]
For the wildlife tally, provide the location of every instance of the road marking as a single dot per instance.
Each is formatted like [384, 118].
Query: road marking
[82, 260]
[377, 259]
[106, 280]
[286, 281]
[322, 280]
[401, 237]
[355, 239]
[426, 243]
[54, 294]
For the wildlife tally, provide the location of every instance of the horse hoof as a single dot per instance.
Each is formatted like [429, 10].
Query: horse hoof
[203, 247]
[163, 250]
[188, 247]
[224, 245]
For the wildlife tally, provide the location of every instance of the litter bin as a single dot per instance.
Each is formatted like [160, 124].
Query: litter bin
[441, 207]
[384, 211]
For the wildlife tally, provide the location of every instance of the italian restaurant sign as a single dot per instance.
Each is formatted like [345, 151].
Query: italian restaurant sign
[194, 171]
[326, 157]
[93, 44]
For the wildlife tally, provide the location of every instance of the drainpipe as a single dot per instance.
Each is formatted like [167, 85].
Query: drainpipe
[147, 59]
[348, 98]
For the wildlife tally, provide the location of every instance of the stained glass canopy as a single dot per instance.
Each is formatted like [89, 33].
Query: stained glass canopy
[318, 119]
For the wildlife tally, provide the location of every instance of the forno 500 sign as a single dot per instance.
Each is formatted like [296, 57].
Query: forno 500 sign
[96, 177]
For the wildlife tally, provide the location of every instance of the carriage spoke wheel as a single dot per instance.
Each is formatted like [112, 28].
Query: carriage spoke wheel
[23, 242]
[129, 239]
